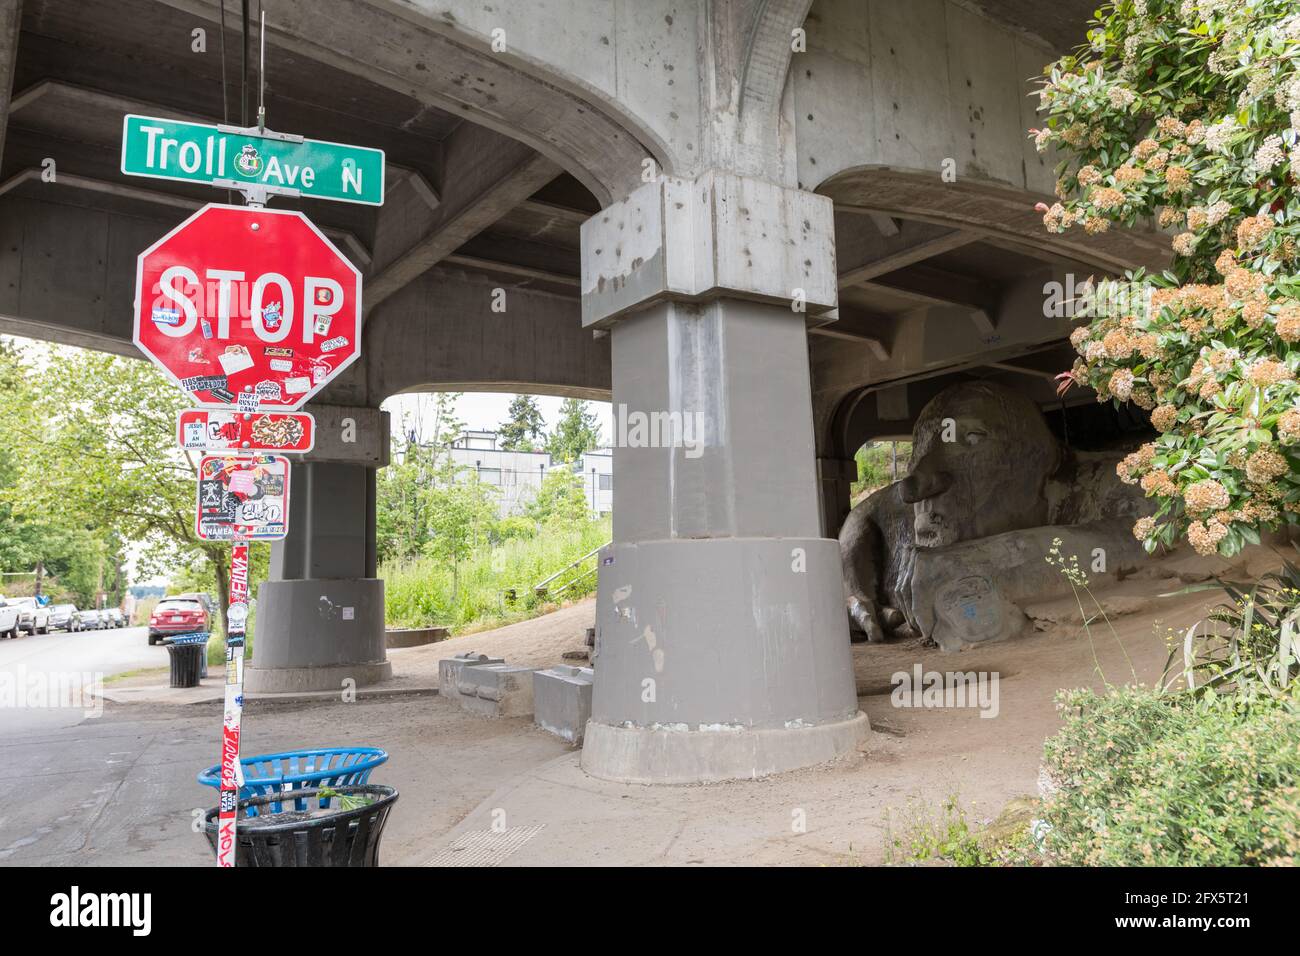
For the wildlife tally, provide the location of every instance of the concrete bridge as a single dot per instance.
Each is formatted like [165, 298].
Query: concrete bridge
[797, 220]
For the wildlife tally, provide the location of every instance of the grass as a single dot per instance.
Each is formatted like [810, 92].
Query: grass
[428, 592]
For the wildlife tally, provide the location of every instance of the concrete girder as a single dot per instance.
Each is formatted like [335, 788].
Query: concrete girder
[441, 333]
[11, 18]
[997, 212]
[747, 59]
[926, 85]
[445, 59]
[484, 179]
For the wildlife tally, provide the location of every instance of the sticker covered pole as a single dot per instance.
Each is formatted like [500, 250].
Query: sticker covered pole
[232, 776]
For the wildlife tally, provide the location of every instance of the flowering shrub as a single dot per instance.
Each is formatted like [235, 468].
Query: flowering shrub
[1146, 779]
[1187, 112]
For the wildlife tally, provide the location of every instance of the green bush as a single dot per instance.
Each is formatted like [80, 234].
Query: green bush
[423, 592]
[920, 834]
[1150, 779]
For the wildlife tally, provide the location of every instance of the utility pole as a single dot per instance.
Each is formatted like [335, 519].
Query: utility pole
[40, 573]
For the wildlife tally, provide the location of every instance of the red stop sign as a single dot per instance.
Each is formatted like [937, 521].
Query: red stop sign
[248, 307]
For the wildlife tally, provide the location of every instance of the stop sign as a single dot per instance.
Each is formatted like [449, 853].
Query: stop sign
[248, 307]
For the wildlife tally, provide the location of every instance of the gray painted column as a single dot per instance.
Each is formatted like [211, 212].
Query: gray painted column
[11, 17]
[722, 647]
[320, 617]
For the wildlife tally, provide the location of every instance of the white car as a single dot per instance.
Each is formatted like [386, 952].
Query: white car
[32, 617]
[8, 619]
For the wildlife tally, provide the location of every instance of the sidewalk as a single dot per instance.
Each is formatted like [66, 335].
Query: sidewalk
[537, 642]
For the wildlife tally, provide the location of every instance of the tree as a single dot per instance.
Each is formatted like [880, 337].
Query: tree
[561, 499]
[525, 424]
[108, 424]
[576, 432]
[402, 520]
[1189, 113]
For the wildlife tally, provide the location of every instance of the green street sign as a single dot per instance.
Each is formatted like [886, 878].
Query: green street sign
[233, 158]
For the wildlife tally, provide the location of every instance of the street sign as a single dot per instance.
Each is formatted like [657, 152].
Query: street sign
[243, 498]
[201, 429]
[235, 158]
[248, 307]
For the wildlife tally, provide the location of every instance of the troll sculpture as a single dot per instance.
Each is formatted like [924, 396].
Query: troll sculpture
[949, 550]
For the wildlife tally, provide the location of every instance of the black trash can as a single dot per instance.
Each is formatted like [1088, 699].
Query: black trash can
[307, 829]
[186, 663]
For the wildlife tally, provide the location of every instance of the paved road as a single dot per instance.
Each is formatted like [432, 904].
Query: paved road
[35, 665]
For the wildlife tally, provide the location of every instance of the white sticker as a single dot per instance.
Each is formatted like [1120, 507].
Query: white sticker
[235, 359]
[349, 613]
[281, 365]
[247, 402]
[337, 342]
[296, 386]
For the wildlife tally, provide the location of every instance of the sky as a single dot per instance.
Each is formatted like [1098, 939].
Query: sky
[483, 410]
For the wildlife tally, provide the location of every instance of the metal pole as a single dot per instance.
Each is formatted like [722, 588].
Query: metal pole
[232, 774]
[261, 77]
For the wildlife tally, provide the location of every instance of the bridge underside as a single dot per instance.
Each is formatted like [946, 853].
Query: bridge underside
[522, 248]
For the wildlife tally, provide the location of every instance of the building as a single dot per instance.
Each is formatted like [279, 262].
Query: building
[518, 475]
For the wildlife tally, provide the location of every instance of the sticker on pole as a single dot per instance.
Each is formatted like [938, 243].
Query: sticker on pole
[201, 429]
[248, 308]
[244, 497]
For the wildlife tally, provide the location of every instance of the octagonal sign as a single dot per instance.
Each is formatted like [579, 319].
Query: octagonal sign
[248, 307]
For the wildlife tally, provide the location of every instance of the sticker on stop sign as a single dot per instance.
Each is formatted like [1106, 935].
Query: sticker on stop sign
[251, 308]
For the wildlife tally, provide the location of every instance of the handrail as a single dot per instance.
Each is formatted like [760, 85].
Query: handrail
[540, 589]
[568, 584]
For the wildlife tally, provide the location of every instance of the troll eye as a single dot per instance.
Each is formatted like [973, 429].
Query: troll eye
[974, 437]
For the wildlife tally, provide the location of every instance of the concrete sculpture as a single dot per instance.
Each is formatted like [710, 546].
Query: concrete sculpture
[947, 552]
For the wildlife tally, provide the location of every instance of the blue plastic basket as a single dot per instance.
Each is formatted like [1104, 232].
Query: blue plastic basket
[269, 774]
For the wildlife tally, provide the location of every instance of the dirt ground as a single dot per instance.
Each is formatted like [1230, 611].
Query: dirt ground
[913, 755]
[462, 776]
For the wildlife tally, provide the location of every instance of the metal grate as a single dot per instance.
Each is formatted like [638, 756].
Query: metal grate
[485, 847]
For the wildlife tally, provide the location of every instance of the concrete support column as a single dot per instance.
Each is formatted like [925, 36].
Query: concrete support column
[722, 647]
[835, 478]
[11, 17]
[320, 617]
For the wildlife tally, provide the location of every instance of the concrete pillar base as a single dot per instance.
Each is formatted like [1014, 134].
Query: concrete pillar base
[289, 680]
[312, 634]
[719, 659]
[673, 756]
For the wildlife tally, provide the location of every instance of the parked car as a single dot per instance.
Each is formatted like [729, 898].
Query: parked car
[65, 617]
[91, 620]
[116, 617]
[177, 615]
[8, 618]
[33, 618]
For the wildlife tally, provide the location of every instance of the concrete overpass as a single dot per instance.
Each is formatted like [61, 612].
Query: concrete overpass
[795, 219]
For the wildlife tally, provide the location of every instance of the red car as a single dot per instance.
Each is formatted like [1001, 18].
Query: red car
[176, 616]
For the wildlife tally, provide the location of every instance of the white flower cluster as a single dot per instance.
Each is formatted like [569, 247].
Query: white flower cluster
[1217, 136]
[1269, 154]
[1121, 97]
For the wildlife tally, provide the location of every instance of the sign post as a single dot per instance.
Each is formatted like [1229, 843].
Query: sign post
[251, 312]
[232, 776]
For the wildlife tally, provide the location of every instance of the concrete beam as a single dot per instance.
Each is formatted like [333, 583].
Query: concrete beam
[442, 333]
[931, 286]
[485, 177]
[454, 69]
[906, 256]
[11, 18]
[359, 253]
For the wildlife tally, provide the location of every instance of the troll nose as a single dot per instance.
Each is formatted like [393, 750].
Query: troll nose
[925, 482]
